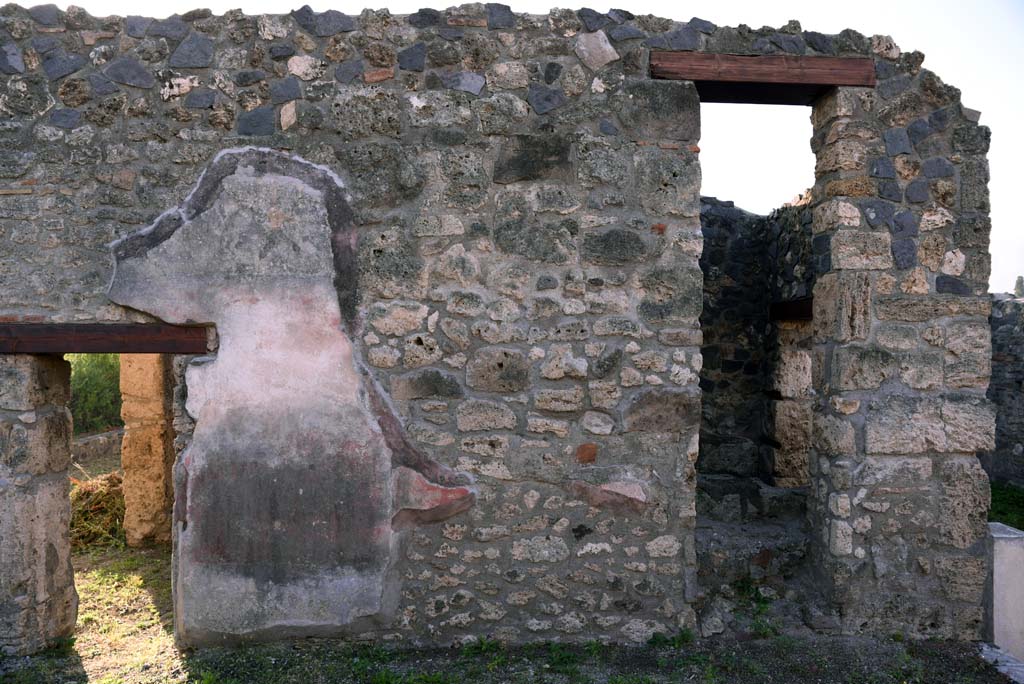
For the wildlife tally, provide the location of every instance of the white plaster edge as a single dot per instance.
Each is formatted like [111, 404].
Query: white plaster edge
[1004, 662]
[199, 182]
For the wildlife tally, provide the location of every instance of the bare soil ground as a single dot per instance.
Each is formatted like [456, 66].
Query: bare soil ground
[124, 636]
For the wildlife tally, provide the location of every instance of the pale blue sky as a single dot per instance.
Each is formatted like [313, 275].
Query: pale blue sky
[760, 157]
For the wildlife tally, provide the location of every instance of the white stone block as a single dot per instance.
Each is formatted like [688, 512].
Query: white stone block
[1007, 588]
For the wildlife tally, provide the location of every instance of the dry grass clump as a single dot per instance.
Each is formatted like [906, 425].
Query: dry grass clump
[97, 512]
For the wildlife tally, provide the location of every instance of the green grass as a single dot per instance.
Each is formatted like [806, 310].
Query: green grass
[1007, 505]
[95, 391]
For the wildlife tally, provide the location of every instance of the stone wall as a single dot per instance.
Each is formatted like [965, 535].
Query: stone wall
[1006, 390]
[511, 207]
[901, 353]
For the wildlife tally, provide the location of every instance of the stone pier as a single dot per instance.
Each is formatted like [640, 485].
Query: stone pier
[38, 602]
[147, 449]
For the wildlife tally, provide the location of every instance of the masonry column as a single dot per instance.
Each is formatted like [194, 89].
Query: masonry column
[147, 449]
[38, 602]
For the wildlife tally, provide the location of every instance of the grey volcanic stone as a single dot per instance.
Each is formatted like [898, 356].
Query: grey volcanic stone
[882, 167]
[937, 167]
[413, 58]
[424, 18]
[660, 109]
[11, 61]
[820, 42]
[702, 25]
[200, 98]
[532, 157]
[546, 282]
[57, 64]
[285, 90]
[323, 24]
[544, 99]
[499, 16]
[195, 52]
[552, 70]
[904, 253]
[136, 27]
[130, 71]
[905, 224]
[625, 32]
[249, 77]
[662, 410]
[101, 85]
[681, 39]
[281, 51]
[45, 15]
[259, 121]
[946, 284]
[788, 42]
[549, 243]
[451, 33]
[917, 191]
[346, 72]
[172, 28]
[897, 141]
[465, 81]
[592, 19]
[615, 247]
[66, 118]
[43, 44]
[918, 130]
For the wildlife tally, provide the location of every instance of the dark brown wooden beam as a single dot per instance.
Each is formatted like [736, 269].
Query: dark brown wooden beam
[792, 310]
[97, 338]
[762, 79]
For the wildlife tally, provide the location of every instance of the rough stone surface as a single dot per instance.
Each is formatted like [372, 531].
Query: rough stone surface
[38, 602]
[553, 211]
[1005, 463]
[147, 447]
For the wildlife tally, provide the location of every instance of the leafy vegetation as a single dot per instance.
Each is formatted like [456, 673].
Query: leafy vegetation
[95, 391]
[1007, 505]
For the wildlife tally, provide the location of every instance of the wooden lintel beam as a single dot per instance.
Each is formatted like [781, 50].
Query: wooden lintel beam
[771, 79]
[792, 310]
[97, 338]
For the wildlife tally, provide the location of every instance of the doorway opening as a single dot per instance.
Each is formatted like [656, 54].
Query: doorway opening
[122, 453]
[755, 438]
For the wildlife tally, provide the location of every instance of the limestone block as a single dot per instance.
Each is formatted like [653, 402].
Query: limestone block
[791, 424]
[833, 436]
[835, 214]
[842, 306]
[30, 381]
[792, 378]
[857, 367]
[38, 601]
[1006, 549]
[498, 369]
[40, 446]
[860, 249]
[903, 425]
